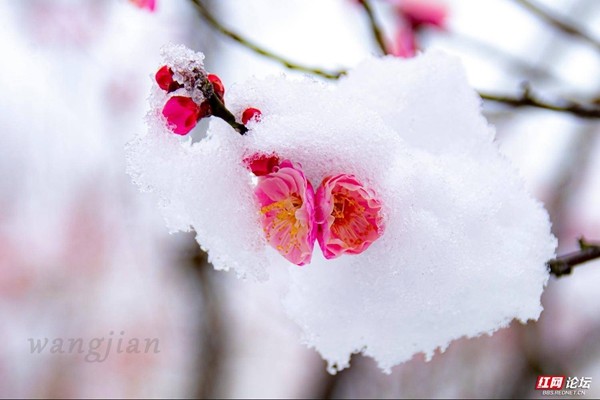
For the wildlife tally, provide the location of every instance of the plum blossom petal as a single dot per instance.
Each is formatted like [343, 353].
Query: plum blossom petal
[286, 200]
[348, 215]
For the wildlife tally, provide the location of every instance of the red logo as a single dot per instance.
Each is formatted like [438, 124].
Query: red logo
[549, 382]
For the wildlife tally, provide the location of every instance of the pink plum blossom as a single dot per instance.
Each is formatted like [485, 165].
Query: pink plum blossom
[418, 13]
[348, 215]
[286, 200]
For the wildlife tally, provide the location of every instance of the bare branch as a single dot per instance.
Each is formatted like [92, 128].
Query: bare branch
[564, 264]
[528, 99]
[375, 28]
[208, 17]
[558, 23]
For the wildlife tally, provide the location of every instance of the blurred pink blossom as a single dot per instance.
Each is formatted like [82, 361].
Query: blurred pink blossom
[418, 13]
[149, 5]
[405, 45]
[412, 16]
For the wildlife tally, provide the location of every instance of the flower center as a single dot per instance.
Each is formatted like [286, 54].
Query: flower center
[285, 225]
[351, 224]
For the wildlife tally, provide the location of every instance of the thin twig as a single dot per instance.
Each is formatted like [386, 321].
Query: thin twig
[208, 17]
[375, 28]
[564, 264]
[528, 99]
[558, 23]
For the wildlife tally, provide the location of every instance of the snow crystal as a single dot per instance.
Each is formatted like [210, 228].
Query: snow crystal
[464, 247]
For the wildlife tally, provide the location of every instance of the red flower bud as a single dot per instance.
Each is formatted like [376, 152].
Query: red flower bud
[217, 86]
[261, 164]
[250, 113]
[164, 77]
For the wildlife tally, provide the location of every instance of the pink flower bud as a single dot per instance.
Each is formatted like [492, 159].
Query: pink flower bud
[286, 202]
[249, 114]
[182, 114]
[348, 215]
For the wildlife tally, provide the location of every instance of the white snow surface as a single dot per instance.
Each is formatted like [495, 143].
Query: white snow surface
[464, 247]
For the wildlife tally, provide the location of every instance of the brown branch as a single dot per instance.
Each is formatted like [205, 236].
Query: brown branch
[564, 264]
[212, 21]
[558, 23]
[375, 28]
[219, 110]
[528, 99]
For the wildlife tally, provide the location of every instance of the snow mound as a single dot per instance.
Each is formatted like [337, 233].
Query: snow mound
[464, 247]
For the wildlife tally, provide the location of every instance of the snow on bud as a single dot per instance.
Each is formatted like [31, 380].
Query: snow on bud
[251, 114]
[348, 215]
[286, 202]
[182, 114]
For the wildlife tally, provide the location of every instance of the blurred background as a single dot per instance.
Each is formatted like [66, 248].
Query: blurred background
[84, 255]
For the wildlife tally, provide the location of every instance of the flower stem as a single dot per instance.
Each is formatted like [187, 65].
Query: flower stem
[220, 111]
